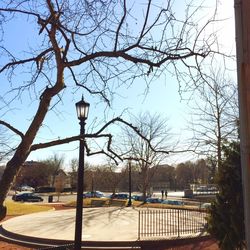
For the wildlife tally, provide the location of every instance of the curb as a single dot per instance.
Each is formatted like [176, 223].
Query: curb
[42, 243]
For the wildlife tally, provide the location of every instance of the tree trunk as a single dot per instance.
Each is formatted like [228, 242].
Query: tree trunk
[23, 150]
[242, 19]
[11, 170]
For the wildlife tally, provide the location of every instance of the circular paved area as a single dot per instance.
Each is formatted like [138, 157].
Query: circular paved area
[99, 224]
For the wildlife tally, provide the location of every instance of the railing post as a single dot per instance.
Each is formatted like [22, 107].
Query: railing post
[178, 222]
[139, 225]
[173, 222]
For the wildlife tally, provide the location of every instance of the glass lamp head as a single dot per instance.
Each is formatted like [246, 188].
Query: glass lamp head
[82, 109]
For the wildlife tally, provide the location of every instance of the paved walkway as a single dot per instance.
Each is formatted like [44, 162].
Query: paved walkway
[105, 224]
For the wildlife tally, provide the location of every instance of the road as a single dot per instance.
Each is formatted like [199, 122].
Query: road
[64, 198]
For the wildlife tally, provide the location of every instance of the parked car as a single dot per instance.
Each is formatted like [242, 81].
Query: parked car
[137, 197]
[202, 189]
[29, 197]
[26, 188]
[140, 197]
[95, 194]
[205, 205]
[121, 196]
[45, 189]
[173, 202]
[213, 189]
[153, 200]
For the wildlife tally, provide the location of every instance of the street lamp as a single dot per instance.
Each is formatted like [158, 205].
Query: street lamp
[129, 183]
[82, 109]
[92, 184]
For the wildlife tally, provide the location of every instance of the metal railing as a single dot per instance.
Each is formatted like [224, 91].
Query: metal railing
[172, 223]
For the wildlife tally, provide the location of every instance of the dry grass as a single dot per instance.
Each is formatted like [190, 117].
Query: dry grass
[87, 203]
[18, 208]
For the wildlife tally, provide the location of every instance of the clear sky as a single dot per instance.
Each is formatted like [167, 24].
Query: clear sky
[162, 97]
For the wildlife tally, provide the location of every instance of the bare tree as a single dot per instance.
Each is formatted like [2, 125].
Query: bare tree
[54, 164]
[59, 184]
[107, 178]
[201, 172]
[184, 174]
[215, 115]
[73, 173]
[88, 44]
[155, 129]
[34, 174]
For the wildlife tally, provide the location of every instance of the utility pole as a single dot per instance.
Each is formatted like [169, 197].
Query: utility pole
[242, 26]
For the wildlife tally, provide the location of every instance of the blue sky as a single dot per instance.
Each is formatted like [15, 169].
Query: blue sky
[162, 97]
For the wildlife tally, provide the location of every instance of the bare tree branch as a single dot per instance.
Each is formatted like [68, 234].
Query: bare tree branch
[99, 134]
[38, 59]
[16, 131]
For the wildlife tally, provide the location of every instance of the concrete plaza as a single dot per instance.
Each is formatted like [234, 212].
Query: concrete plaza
[99, 224]
[104, 225]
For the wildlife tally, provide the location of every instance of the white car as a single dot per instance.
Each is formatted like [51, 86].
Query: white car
[27, 188]
[205, 205]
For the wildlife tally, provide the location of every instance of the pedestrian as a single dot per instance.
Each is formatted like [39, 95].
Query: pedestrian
[162, 194]
[166, 194]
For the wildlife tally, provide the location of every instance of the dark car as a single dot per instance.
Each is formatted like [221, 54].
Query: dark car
[45, 189]
[137, 197]
[153, 200]
[29, 197]
[95, 194]
[140, 197]
[119, 196]
[173, 202]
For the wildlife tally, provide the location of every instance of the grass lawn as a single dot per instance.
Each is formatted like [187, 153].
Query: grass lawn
[18, 208]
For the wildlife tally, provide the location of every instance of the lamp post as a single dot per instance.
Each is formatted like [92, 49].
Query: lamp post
[129, 183]
[82, 109]
[92, 184]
